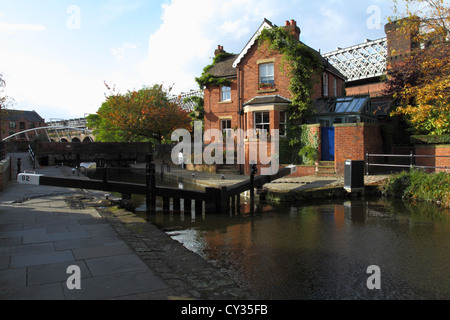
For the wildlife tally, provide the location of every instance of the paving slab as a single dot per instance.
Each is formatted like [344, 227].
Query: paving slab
[41, 236]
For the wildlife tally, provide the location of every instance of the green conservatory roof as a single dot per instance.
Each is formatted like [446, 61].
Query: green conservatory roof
[352, 104]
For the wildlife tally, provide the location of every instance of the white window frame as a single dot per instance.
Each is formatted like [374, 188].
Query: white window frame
[225, 93]
[225, 130]
[267, 73]
[335, 86]
[260, 126]
[283, 122]
[325, 84]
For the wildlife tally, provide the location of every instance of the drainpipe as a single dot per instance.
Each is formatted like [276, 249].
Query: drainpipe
[240, 112]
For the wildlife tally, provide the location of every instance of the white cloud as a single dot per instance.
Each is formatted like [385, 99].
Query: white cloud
[190, 32]
[114, 8]
[119, 53]
[37, 83]
[6, 27]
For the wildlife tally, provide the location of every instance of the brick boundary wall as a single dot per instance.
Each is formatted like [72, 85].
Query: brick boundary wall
[435, 150]
[353, 141]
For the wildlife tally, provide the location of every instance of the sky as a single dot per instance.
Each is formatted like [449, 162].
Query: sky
[57, 55]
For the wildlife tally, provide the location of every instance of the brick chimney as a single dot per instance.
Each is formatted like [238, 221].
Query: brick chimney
[401, 37]
[292, 29]
[219, 50]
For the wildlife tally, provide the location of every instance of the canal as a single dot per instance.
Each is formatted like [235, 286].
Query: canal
[322, 250]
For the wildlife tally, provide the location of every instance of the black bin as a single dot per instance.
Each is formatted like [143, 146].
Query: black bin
[354, 175]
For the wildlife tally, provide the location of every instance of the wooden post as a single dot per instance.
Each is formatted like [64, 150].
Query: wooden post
[253, 171]
[188, 206]
[150, 182]
[212, 203]
[224, 200]
[176, 204]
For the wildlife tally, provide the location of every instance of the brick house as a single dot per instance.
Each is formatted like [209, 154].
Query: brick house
[15, 121]
[258, 96]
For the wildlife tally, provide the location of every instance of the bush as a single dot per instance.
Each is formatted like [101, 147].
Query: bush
[419, 186]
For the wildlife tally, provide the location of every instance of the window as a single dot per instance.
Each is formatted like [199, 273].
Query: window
[22, 125]
[12, 125]
[325, 84]
[225, 93]
[283, 120]
[262, 122]
[225, 126]
[335, 87]
[266, 74]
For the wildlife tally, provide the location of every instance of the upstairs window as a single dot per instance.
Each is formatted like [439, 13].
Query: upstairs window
[266, 74]
[335, 87]
[225, 93]
[325, 84]
[12, 125]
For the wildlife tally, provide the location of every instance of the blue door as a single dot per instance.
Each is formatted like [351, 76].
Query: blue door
[327, 143]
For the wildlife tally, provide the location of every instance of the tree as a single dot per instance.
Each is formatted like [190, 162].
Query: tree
[144, 115]
[420, 83]
[5, 101]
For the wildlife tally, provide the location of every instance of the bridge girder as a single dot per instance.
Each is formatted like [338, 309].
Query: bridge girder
[363, 61]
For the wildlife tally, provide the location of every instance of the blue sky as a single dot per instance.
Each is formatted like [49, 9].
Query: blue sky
[55, 55]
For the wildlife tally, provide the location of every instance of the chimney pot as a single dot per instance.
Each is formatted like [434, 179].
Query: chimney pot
[287, 23]
[294, 23]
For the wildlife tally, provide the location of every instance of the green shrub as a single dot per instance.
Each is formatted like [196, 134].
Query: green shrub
[417, 185]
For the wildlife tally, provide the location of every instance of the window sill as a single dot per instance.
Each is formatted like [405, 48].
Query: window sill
[226, 102]
[266, 90]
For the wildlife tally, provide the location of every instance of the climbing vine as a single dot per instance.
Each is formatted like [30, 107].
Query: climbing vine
[208, 79]
[300, 63]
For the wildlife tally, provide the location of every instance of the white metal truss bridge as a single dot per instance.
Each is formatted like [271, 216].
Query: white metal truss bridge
[188, 106]
[52, 132]
[362, 61]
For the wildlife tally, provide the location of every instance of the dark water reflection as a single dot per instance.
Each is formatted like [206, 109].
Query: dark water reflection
[323, 250]
[320, 250]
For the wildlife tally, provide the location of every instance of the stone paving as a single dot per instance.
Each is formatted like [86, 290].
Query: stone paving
[44, 230]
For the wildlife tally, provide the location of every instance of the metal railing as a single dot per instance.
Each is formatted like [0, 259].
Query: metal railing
[412, 161]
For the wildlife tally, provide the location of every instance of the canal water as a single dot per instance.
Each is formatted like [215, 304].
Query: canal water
[322, 250]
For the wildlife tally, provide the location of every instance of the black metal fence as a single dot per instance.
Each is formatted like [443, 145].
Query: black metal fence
[409, 159]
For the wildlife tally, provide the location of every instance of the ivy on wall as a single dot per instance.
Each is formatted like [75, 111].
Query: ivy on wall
[300, 63]
[208, 79]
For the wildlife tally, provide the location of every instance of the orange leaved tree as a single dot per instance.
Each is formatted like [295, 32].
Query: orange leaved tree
[144, 115]
[420, 83]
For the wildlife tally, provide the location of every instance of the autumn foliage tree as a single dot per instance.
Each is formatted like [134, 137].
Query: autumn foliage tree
[420, 82]
[144, 115]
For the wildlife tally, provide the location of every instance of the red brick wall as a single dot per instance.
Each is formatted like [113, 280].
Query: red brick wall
[214, 108]
[352, 141]
[434, 150]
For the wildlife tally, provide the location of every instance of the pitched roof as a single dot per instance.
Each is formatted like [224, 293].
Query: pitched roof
[268, 25]
[224, 68]
[15, 115]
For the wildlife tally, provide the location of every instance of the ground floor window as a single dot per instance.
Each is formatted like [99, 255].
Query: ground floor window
[262, 122]
[282, 126]
[225, 126]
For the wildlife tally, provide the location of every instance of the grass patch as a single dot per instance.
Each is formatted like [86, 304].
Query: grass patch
[417, 185]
